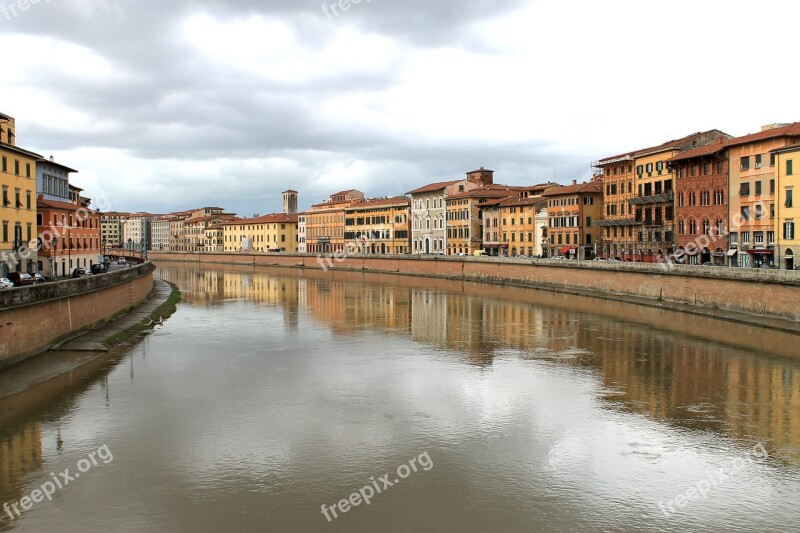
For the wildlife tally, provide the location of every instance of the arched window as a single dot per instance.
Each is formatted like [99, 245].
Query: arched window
[720, 227]
[692, 227]
[681, 227]
[706, 226]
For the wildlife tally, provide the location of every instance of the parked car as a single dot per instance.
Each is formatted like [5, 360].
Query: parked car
[98, 268]
[79, 273]
[21, 280]
[39, 278]
[708, 264]
[479, 253]
[122, 261]
[522, 256]
[6, 283]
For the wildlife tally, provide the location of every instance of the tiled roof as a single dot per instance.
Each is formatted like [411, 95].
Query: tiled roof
[708, 149]
[277, 218]
[590, 187]
[515, 202]
[433, 187]
[489, 191]
[790, 148]
[376, 202]
[21, 151]
[42, 203]
[790, 130]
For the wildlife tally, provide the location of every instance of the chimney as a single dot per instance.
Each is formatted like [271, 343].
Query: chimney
[52, 159]
[574, 182]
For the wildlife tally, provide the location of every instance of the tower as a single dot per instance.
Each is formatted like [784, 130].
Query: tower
[290, 202]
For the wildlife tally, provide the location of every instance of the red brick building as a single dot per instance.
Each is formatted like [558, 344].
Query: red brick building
[69, 236]
[701, 203]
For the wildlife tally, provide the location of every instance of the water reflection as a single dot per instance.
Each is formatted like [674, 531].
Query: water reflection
[688, 381]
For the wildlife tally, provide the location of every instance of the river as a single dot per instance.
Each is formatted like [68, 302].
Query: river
[279, 400]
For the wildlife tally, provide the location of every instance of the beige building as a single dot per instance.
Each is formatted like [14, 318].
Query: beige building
[270, 233]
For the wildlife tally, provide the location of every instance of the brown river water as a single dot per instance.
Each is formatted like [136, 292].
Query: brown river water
[280, 400]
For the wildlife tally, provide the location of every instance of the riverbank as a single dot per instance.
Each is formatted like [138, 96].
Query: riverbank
[89, 346]
[759, 297]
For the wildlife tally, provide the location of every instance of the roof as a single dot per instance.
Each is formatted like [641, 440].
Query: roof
[579, 188]
[42, 203]
[198, 220]
[489, 191]
[709, 149]
[433, 187]
[53, 163]
[375, 202]
[515, 202]
[790, 148]
[789, 130]
[277, 218]
[674, 144]
[291, 191]
[21, 151]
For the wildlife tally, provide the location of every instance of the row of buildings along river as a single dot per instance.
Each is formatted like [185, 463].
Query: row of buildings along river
[707, 198]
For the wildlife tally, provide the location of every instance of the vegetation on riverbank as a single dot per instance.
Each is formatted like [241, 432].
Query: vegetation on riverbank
[161, 313]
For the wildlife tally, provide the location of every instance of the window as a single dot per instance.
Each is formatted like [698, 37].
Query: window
[772, 160]
[720, 167]
[758, 188]
[745, 237]
[788, 198]
[788, 230]
[758, 237]
[758, 161]
[770, 237]
[759, 211]
[789, 168]
[706, 169]
[734, 238]
[744, 189]
[745, 163]
[745, 213]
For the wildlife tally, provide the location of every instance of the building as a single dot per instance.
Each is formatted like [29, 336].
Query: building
[70, 236]
[572, 212]
[787, 211]
[301, 234]
[18, 202]
[464, 218]
[136, 232]
[639, 200]
[159, 233]
[215, 237]
[701, 204]
[112, 229]
[195, 229]
[177, 231]
[379, 226]
[325, 226]
[520, 230]
[270, 233]
[290, 202]
[52, 180]
[429, 210]
[751, 192]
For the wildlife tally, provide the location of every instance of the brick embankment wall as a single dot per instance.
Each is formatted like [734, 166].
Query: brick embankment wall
[34, 318]
[770, 293]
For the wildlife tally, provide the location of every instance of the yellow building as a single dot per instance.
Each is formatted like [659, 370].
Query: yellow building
[519, 234]
[752, 193]
[464, 218]
[787, 208]
[379, 226]
[270, 233]
[18, 202]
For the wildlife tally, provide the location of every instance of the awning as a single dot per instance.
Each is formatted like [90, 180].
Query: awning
[761, 252]
[732, 252]
[567, 249]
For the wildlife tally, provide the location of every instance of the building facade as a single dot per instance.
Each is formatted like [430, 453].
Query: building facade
[215, 237]
[572, 212]
[70, 237]
[301, 234]
[136, 232]
[379, 226]
[429, 210]
[17, 203]
[519, 232]
[701, 204]
[112, 229]
[159, 233]
[752, 193]
[270, 233]
[325, 226]
[464, 218]
[787, 214]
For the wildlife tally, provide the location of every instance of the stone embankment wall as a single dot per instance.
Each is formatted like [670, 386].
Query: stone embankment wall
[34, 318]
[770, 293]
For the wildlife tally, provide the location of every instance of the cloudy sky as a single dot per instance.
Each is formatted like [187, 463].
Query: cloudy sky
[169, 104]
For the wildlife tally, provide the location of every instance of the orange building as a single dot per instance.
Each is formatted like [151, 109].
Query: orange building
[572, 212]
[325, 222]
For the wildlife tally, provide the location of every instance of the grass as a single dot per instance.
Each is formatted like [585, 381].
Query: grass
[165, 310]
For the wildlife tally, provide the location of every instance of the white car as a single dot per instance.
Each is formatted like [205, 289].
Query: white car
[5, 283]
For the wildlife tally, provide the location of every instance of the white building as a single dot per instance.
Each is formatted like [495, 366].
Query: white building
[159, 233]
[136, 232]
[301, 234]
[429, 210]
